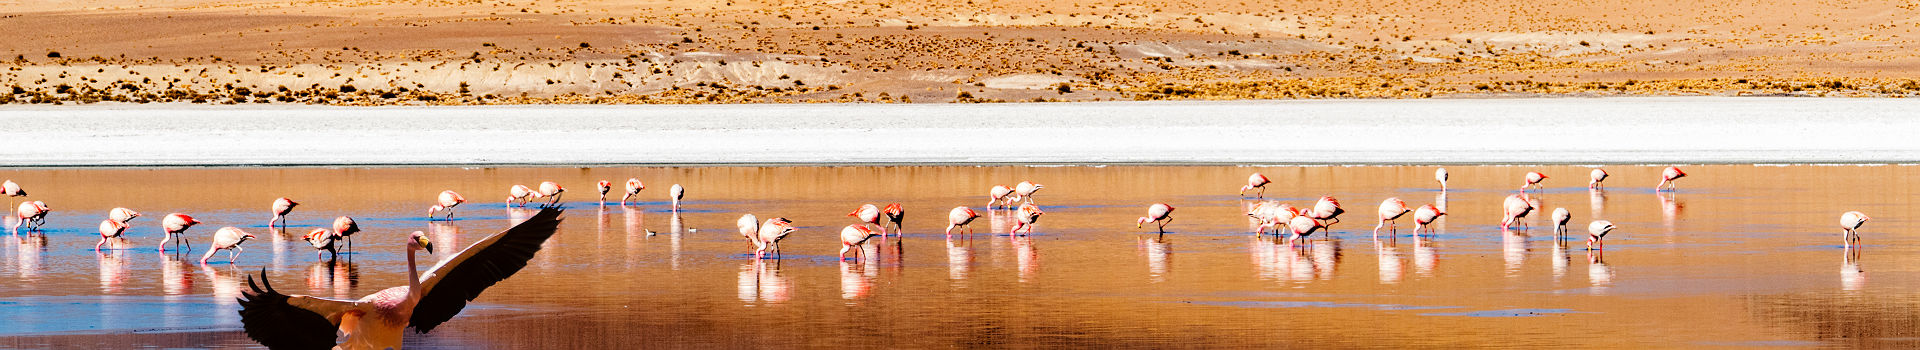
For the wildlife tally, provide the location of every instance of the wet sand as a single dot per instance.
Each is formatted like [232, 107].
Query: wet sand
[1501, 131]
[1742, 255]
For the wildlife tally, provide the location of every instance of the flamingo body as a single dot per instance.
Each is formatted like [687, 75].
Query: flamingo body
[1256, 181]
[1160, 214]
[1596, 176]
[229, 239]
[12, 189]
[1391, 209]
[853, 236]
[1000, 194]
[1597, 230]
[961, 217]
[1850, 222]
[281, 207]
[1667, 178]
[1560, 218]
[1424, 216]
[676, 193]
[633, 189]
[175, 225]
[448, 199]
[1025, 217]
[1515, 207]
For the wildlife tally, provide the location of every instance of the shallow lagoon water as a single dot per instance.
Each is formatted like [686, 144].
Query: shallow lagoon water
[1742, 255]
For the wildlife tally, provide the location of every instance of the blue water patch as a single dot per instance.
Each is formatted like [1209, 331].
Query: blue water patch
[1506, 313]
[116, 314]
[1319, 304]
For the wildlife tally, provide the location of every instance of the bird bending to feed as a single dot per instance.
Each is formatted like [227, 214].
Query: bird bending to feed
[519, 195]
[750, 229]
[551, 191]
[633, 189]
[1667, 178]
[175, 225]
[1024, 191]
[894, 214]
[1390, 210]
[1256, 181]
[1302, 227]
[676, 193]
[959, 218]
[1328, 211]
[110, 229]
[1025, 218]
[322, 241]
[1273, 215]
[1533, 181]
[853, 236]
[281, 207]
[1425, 216]
[12, 189]
[448, 200]
[379, 321]
[1850, 222]
[1441, 176]
[1597, 175]
[123, 215]
[604, 187]
[1000, 194]
[1597, 230]
[1516, 206]
[32, 214]
[771, 233]
[227, 238]
[867, 214]
[345, 227]
[1160, 214]
[1560, 218]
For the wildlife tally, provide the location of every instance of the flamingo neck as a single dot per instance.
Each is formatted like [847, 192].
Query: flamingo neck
[413, 274]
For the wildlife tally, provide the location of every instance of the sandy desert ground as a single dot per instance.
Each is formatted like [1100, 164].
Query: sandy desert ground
[436, 52]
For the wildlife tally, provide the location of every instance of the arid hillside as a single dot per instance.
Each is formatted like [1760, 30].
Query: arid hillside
[748, 51]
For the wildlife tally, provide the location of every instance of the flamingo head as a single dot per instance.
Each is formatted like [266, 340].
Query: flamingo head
[1142, 222]
[436, 208]
[1244, 189]
[419, 241]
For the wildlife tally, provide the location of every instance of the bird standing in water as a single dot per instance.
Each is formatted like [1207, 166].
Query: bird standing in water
[448, 199]
[1026, 217]
[1441, 176]
[551, 191]
[1667, 178]
[227, 238]
[1160, 214]
[1560, 218]
[1256, 181]
[1596, 231]
[322, 241]
[633, 189]
[1302, 227]
[1425, 216]
[175, 226]
[1515, 207]
[345, 227]
[771, 233]
[1327, 211]
[867, 214]
[604, 187]
[110, 229]
[1390, 210]
[1597, 176]
[852, 237]
[519, 195]
[1024, 191]
[12, 189]
[1850, 222]
[676, 193]
[894, 214]
[1533, 181]
[380, 320]
[960, 217]
[281, 207]
[32, 214]
[123, 215]
[749, 226]
[1000, 194]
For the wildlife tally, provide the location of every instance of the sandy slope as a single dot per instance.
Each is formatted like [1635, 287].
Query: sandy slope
[1566, 130]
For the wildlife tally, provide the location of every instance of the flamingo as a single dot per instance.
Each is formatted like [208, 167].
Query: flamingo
[633, 189]
[853, 236]
[1533, 181]
[1024, 191]
[894, 214]
[322, 241]
[868, 214]
[1667, 178]
[604, 187]
[1256, 181]
[1275, 216]
[999, 194]
[12, 189]
[1597, 175]
[228, 238]
[1597, 230]
[345, 227]
[1425, 216]
[1560, 218]
[448, 200]
[281, 207]
[175, 225]
[550, 190]
[959, 217]
[123, 215]
[1850, 222]
[110, 229]
[750, 229]
[1390, 210]
[379, 321]
[771, 233]
[1516, 206]
[1328, 211]
[1441, 176]
[1026, 216]
[1160, 214]
[32, 214]
[1302, 227]
[520, 193]
[676, 192]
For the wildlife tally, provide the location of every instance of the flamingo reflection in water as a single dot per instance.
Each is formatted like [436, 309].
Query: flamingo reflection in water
[378, 321]
[760, 280]
[1852, 278]
[959, 258]
[1159, 253]
[113, 270]
[1391, 269]
[333, 277]
[856, 279]
[1026, 258]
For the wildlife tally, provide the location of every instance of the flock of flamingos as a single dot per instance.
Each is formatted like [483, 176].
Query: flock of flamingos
[378, 320]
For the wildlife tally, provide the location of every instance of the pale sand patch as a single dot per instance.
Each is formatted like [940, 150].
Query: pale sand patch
[1545, 130]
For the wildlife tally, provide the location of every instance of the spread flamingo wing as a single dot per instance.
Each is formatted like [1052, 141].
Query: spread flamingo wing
[447, 288]
[282, 321]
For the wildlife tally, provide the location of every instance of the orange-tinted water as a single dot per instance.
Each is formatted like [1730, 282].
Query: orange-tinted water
[1741, 255]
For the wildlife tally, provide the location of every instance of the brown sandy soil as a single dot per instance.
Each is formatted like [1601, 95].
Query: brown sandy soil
[716, 51]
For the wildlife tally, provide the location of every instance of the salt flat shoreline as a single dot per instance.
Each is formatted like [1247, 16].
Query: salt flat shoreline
[1614, 130]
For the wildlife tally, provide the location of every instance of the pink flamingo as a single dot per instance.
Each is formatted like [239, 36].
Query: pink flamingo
[322, 241]
[448, 199]
[1390, 210]
[867, 214]
[1256, 181]
[1441, 176]
[1850, 222]
[1160, 214]
[521, 194]
[1533, 181]
[894, 214]
[634, 186]
[1026, 216]
[853, 236]
[227, 238]
[175, 225]
[123, 215]
[1597, 230]
[345, 227]
[604, 188]
[1667, 178]
[12, 189]
[1425, 216]
[1516, 206]
[1275, 216]
[1302, 227]
[960, 217]
[378, 321]
[281, 207]
[771, 233]
[1024, 191]
[749, 226]
[110, 229]
[1000, 194]
[551, 191]
[676, 192]
[1560, 218]
[1328, 211]
[1597, 175]
[32, 214]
